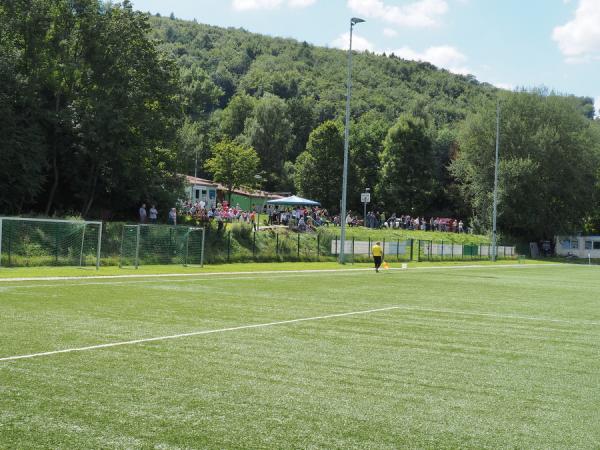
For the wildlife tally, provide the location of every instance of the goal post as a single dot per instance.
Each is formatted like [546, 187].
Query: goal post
[41, 242]
[161, 244]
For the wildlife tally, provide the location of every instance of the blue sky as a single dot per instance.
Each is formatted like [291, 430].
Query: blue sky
[509, 43]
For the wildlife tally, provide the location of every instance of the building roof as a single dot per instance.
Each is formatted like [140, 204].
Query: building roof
[218, 186]
[201, 181]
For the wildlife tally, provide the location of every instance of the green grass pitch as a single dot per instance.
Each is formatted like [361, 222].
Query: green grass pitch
[489, 357]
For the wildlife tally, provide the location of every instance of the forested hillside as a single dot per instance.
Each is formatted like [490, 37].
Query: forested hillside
[103, 106]
[410, 121]
[272, 93]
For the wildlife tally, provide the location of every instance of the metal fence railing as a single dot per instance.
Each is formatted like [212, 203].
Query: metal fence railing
[134, 245]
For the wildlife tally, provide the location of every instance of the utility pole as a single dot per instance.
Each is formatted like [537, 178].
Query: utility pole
[495, 213]
[353, 22]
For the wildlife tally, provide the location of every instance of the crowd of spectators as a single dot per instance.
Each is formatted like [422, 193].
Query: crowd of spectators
[300, 218]
[377, 219]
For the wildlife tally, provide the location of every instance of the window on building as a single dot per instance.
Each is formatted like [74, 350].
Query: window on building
[574, 244]
[596, 245]
[588, 245]
[196, 194]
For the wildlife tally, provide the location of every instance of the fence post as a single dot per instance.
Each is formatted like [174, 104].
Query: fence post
[187, 248]
[137, 246]
[298, 245]
[419, 250]
[202, 249]
[412, 244]
[452, 253]
[398, 250]
[442, 249]
[352, 249]
[254, 245]
[369, 248]
[276, 244]
[318, 246]
[336, 246]
[383, 250]
[10, 242]
[99, 250]
[56, 243]
[228, 246]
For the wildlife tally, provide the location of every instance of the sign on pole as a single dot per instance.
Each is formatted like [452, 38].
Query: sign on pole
[365, 197]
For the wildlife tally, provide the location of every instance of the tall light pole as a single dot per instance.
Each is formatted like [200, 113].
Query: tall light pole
[495, 212]
[353, 22]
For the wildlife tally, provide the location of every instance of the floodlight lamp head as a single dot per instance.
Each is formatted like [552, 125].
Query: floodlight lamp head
[356, 20]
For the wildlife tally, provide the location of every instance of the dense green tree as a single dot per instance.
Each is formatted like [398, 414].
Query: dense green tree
[90, 108]
[194, 144]
[303, 119]
[128, 114]
[550, 156]
[269, 132]
[366, 144]
[22, 150]
[233, 164]
[234, 117]
[318, 170]
[200, 94]
[405, 183]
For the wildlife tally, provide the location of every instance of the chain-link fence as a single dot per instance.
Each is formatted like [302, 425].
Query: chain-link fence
[41, 243]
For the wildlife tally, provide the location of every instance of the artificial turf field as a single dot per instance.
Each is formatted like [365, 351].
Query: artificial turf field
[425, 358]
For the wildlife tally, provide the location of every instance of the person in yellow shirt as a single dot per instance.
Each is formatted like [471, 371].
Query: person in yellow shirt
[377, 255]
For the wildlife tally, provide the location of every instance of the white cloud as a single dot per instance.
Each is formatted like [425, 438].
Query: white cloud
[579, 39]
[388, 32]
[301, 3]
[420, 13]
[359, 43]
[505, 86]
[245, 5]
[248, 5]
[444, 56]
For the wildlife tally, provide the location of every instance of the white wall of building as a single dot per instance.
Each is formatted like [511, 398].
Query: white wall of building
[580, 246]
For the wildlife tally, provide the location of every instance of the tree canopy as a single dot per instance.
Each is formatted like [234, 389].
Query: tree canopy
[550, 155]
[104, 106]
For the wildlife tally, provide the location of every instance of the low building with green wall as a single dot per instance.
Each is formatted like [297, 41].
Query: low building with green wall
[213, 193]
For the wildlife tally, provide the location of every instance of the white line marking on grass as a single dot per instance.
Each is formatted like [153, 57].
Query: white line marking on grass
[203, 277]
[499, 316]
[305, 319]
[275, 272]
[198, 333]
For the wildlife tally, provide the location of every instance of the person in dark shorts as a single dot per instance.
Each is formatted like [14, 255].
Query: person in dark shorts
[377, 252]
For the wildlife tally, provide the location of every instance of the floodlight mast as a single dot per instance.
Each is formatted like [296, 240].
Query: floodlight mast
[496, 167]
[353, 22]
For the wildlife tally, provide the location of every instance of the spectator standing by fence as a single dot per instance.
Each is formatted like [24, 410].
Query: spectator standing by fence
[173, 216]
[153, 214]
[142, 213]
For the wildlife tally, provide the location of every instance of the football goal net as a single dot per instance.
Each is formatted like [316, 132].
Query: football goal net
[161, 244]
[44, 242]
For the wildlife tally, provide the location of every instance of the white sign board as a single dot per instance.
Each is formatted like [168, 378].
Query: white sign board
[365, 197]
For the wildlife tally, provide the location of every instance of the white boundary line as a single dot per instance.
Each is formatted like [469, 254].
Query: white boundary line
[198, 333]
[274, 272]
[305, 319]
